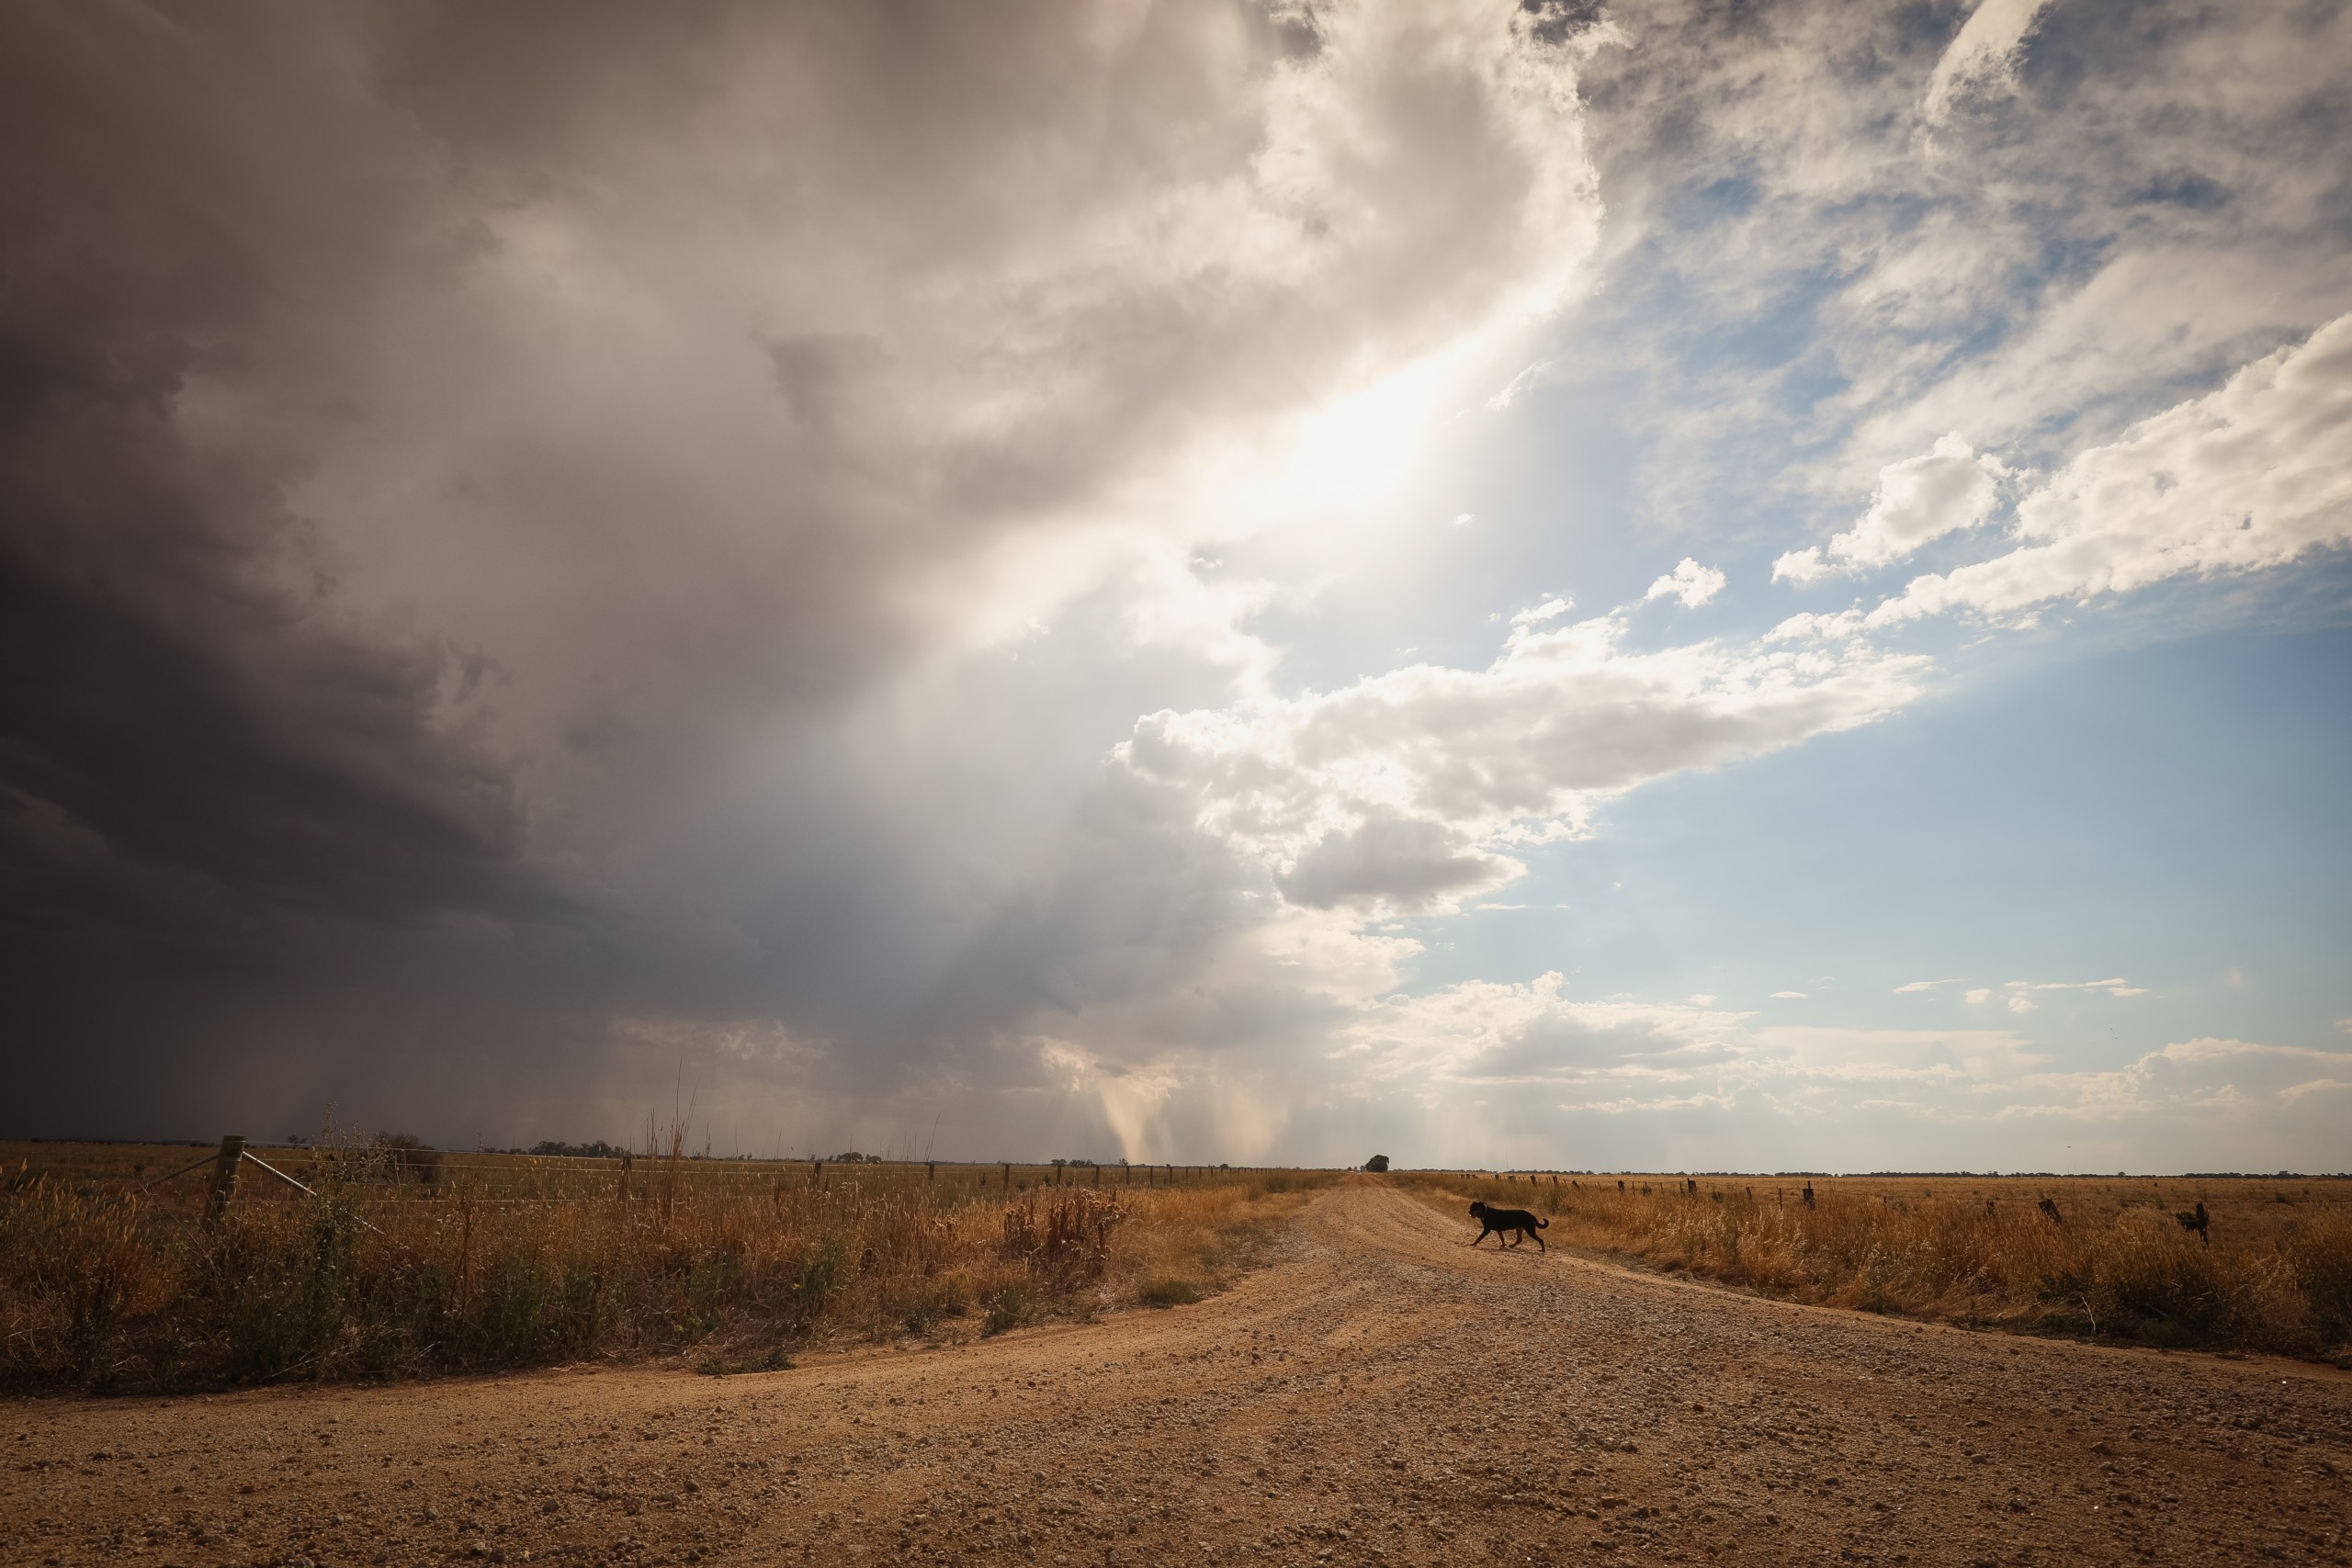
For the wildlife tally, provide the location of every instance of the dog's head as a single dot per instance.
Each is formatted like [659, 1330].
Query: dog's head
[1477, 1208]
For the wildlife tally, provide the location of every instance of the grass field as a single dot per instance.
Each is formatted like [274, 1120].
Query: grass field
[398, 1263]
[393, 1265]
[2272, 1270]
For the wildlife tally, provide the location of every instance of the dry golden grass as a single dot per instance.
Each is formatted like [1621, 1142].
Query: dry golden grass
[504, 1261]
[2273, 1272]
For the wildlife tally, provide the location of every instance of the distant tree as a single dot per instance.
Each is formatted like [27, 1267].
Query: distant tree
[1377, 1162]
[550, 1148]
[407, 1156]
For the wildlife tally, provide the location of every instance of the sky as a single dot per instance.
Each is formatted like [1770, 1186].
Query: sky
[1557, 585]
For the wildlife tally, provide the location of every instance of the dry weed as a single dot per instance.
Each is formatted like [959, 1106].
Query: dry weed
[383, 1271]
[2276, 1274]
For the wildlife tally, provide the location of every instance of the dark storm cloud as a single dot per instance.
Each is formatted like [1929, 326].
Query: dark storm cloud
[496, 499]
[177, 698]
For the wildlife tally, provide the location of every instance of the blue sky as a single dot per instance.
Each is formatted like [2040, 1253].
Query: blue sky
[1241, 579]
[2170, 814]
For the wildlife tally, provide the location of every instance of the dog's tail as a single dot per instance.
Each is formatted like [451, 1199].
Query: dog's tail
[1544, 1224]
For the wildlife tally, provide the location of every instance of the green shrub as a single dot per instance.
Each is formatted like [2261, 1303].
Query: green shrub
[1010, 1309]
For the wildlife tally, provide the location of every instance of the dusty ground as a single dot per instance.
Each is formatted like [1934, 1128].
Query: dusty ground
[1382, 1395]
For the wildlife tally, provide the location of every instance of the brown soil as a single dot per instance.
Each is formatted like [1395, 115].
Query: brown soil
[1381, 1393]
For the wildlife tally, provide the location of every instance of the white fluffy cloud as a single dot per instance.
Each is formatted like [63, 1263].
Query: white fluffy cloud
[2254, 474]
[1920, 499]
[1689, 581]
[1409, 788]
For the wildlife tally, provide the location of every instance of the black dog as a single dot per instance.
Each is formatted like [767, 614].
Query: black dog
[1498, 1221]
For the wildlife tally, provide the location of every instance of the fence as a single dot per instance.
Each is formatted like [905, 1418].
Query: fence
[394, 1172]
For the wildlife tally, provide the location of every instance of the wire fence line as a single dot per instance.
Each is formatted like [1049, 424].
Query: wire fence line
[404, 1173]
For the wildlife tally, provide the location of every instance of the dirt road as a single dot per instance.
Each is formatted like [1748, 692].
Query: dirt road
[1380, 1394]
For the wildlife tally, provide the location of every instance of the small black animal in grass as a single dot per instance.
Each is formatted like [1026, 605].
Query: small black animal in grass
[1498, 1221]
[2196, 1220]
[2051, 1209]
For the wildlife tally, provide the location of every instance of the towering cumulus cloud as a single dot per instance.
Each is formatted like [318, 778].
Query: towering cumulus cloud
[474, 476]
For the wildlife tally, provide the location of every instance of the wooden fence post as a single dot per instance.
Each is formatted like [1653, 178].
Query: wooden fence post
[224, 1174]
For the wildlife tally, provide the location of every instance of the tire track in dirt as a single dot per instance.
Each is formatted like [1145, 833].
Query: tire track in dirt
[1381, 1394]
